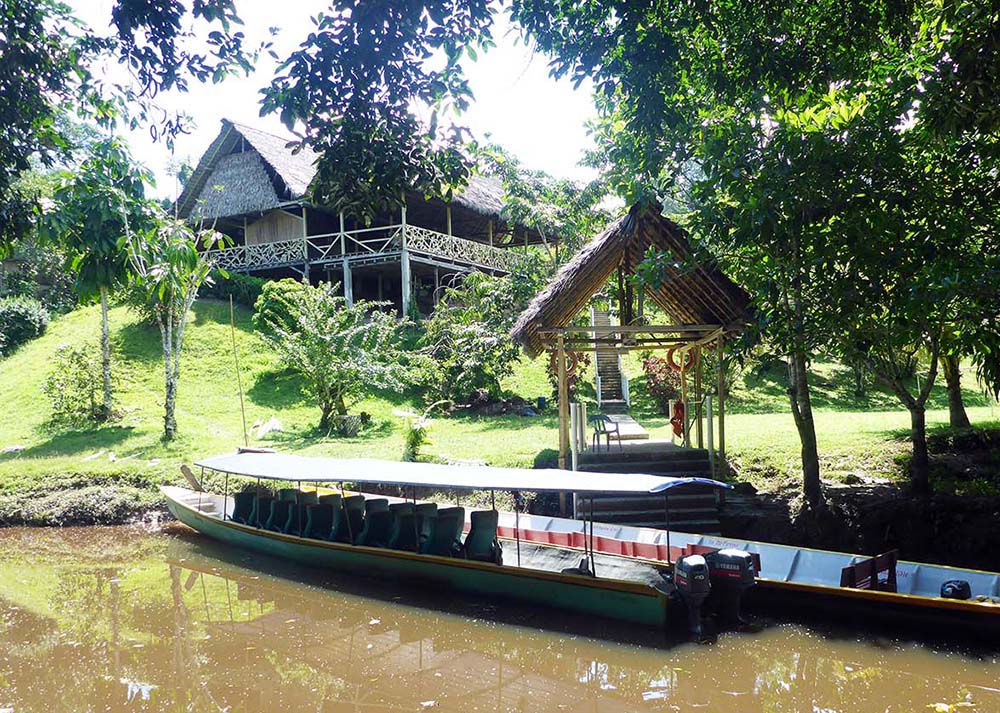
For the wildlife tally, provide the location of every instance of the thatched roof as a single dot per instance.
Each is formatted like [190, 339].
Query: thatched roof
[226, 183]
[698, 295]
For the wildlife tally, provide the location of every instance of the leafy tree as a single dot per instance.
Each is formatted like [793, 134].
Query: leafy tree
[356, 85]
[47, 61]
[168, 267]
[343, 351]
[93, 206]
[468, 336]
[558, 208]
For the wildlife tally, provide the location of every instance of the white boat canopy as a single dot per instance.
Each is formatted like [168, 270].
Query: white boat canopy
[309, 469]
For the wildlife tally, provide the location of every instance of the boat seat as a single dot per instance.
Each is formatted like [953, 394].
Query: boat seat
[319, 521]
[376, 530]
[280, 512]
[405, 533]
[308, 497]
[376, 505]
[334, 499]
[444, 538]
[400, 508]
[243, 507]
[425, 512]
[353, 519]
[481, 543]
[261, 510]
[287, 494]
[296, 519]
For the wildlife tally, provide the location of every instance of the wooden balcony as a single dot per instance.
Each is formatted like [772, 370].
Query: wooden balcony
[367, 247]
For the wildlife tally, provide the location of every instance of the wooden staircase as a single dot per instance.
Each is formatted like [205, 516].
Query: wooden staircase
[610, 397]
[693, 508]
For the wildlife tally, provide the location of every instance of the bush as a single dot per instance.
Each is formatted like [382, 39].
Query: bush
[244, 289]
[276, 308]
[662, 383]
[552, 371]
[468, 336]
[75, 386]
[21, 320]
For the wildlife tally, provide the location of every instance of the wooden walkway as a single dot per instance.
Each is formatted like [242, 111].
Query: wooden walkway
[628, 428]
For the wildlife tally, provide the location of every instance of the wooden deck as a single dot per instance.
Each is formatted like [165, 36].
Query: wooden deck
[628, 428]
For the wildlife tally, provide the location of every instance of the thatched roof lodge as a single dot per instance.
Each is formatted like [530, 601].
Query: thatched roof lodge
[252, 186]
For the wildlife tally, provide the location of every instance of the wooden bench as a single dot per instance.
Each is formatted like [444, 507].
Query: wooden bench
[866, 574]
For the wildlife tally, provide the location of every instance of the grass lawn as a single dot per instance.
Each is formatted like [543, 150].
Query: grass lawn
[862, 437]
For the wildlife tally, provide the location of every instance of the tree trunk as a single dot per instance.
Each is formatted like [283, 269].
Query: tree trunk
[798, 393]
[920, 463]
[957, 416]
[860, 391]
[106, 406]
[169, 380]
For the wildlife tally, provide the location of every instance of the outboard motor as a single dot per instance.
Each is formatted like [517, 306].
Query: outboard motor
[731, 573]
[692, 582]
[956, 589]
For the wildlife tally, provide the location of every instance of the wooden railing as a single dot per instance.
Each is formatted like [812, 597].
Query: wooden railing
[366, 243]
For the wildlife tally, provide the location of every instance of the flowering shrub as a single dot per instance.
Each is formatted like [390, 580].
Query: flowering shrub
[662, 382]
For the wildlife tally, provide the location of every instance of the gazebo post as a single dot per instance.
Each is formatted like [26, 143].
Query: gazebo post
[721, 375]
[684, 400]
[699, 411]
[563, 400]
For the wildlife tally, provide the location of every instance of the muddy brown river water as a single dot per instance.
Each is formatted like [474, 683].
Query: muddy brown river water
[123, 619]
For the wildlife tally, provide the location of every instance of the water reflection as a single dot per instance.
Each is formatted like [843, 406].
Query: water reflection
[116, 619]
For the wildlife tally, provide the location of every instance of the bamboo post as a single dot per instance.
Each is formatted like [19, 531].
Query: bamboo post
[574, 428]
[343, 236]
[711, 440]
[447, 215]
[721, 375]
[489, 231]
[684, 400]
[699, 427]
[563, 400]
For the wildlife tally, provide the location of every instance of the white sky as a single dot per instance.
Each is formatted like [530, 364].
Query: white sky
[538, 119]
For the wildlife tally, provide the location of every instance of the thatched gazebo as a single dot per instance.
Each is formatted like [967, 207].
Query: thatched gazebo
[705, 306]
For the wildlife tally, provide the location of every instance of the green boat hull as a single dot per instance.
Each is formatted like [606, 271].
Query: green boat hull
[621, 600]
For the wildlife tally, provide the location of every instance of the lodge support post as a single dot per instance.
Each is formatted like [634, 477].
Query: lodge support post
[684, 400]
[406, 287]
[343, 235]
[348, 284]
[305, 244]
[563, 400]
[447, 215]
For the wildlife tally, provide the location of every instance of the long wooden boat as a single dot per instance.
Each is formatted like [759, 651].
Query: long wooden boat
[626, 573]
[627, 589]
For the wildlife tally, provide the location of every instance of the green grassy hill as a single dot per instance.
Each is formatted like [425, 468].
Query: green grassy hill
[119, 463]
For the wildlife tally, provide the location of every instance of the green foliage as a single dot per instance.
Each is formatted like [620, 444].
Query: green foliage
[244, 289]
[276, 311]
[73, 386]
[343, 351]
[468, 336]
[93, 206]
[560, 209]
[21, 320]
[357, 84]
[662, 383]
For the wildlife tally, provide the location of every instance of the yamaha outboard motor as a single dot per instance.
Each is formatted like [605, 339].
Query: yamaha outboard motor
[692, 582]
[731, 573]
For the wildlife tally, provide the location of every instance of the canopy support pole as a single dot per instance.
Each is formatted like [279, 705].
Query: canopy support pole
[225, 497]
[666, 517]
[517, 524]
[256, 509]
[347, 517]
[593, 566]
